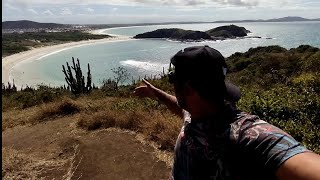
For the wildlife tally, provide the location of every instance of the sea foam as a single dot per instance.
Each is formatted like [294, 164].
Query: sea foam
[144, 65]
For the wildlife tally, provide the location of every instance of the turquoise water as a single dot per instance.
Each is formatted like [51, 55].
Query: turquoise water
[146, 57]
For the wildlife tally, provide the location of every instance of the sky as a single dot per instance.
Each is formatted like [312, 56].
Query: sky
[153, 11]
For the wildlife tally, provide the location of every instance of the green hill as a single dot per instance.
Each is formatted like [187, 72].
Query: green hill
[230, 31]
[24, 24]
[219, 33]
[279, 85]
[175, 33]
[283, 87]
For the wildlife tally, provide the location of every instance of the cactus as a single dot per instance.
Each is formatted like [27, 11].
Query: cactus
[77, 83]
[11, 88]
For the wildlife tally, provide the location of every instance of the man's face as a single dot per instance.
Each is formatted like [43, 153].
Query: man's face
[179, 87]
[181, 94]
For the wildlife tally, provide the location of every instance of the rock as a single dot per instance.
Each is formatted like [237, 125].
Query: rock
[222, 34]
[219, 33]
[254, 37]
[176, 34]
[230, 31]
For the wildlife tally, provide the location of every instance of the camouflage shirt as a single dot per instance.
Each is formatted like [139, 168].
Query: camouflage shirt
[247, 148]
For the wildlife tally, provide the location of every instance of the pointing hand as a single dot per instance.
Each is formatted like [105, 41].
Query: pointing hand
[146, 90]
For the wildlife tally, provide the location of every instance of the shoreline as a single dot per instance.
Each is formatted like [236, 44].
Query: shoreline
[11, 61]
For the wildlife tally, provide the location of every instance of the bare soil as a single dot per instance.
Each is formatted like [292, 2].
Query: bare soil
[59, 150]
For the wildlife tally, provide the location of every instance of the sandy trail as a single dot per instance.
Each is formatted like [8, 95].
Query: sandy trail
[102, 154]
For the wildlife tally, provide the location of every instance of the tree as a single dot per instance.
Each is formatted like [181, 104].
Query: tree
[121, 75]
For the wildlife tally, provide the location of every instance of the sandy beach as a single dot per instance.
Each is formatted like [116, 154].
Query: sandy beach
[10, 61]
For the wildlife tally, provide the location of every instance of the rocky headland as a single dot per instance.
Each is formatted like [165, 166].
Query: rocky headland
[219, 33]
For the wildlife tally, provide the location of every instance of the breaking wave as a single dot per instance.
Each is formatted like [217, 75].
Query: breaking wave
[144, 65]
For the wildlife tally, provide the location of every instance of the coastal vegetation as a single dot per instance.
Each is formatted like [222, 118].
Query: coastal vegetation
[219, 33]
[77, 82]
[230, 31]
[280, 86]
[25, 24]
[17, 42]
[175, 33]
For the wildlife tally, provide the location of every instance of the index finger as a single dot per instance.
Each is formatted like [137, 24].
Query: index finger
[146, 82]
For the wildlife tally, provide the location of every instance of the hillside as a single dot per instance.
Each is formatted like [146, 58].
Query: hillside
[219, 33]
[48, 126]
[14, 43]
[289, 19]
[24, 24]
[174, 33]
[230, 31]
[283, 87]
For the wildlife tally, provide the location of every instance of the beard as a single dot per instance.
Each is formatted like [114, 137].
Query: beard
[182, 102]
[181, 99]
[181, 95]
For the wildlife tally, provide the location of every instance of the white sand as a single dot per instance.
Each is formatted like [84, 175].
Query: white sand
[10, 61]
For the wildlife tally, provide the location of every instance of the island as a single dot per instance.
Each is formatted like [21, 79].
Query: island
[219, 33]
[176, 34]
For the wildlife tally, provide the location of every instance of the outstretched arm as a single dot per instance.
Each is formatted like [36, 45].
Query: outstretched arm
[275, 149]
[148, 90]
[299, 167]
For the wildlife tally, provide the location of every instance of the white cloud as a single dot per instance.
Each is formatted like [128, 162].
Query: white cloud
[89, 10]
[24, 3]
[10, 7]
[33, 11]
[65, 11]
[135, 11]
[239, 2]
[188, 9]
[47, 12]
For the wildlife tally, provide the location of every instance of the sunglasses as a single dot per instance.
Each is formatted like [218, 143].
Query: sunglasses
[172, 77]
[172, 74]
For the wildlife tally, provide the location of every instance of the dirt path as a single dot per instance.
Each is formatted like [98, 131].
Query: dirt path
[59, 150]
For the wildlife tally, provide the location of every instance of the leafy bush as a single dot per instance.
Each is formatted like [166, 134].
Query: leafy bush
[282, 87]
[29, 97]
[14, 43]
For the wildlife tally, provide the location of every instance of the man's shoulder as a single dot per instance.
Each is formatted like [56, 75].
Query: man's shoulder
[251, 126]
[264, 142]
[243, 121]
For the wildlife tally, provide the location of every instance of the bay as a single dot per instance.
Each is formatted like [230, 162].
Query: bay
[149, 57]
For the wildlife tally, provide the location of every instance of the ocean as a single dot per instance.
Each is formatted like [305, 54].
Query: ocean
[149, 57]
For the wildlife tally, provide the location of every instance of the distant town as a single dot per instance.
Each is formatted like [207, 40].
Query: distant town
[73, 28]
[54, 29]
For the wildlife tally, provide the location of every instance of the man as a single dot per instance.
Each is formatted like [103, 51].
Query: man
[217, 141]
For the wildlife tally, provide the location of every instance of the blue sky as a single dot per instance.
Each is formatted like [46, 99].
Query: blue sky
[143, 11]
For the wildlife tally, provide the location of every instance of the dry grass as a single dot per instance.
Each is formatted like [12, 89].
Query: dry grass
[162, 128]
[18, 117]
[50, 111]
[17, 165]
[36, 114]
[56, 109]
[164, 156]
[153, 123]
[145, 117]
[73, 164]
